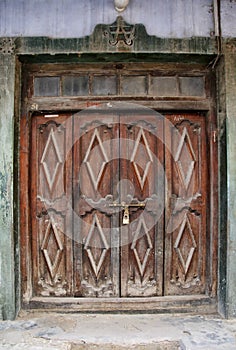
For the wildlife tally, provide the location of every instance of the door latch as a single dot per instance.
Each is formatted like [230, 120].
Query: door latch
[125, 207]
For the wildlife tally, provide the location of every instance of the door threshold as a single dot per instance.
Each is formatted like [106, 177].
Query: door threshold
[169, 304]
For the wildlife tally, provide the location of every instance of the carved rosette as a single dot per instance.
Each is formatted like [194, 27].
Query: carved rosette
[7, 46]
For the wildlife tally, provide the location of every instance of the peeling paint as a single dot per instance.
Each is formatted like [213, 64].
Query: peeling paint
[5, 192]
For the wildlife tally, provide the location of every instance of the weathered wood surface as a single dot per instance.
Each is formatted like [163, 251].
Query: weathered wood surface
[193, 304]
[110, 152]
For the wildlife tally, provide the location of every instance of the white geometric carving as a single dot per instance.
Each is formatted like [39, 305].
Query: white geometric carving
[101, 159]
[52, 232]
[89, 243]
[51, 155]
[141, 264]
[147, 157]
[190, 157]
[181, 235]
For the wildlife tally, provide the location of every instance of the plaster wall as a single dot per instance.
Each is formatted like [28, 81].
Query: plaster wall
[7, 287]
[74, 19]
[230, 79]
[228, 18]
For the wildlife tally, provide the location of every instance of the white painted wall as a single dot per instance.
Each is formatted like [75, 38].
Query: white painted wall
[228, 18]
[77, 18]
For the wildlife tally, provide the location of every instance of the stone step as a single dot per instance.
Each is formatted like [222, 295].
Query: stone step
[170, 345]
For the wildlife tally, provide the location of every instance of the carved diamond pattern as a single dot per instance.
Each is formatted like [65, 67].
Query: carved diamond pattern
[141, 151]
[52, 238]
[94, 230]
[100, 159]
[142, 262]
[185, 229]
[185, 158]
[51, 159]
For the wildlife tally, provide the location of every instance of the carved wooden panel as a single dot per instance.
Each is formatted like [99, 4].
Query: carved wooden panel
[96, 173]
[185, 239]
[51, 243]
[142, 180]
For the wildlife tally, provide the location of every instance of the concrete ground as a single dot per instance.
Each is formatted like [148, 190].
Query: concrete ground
[55, 331]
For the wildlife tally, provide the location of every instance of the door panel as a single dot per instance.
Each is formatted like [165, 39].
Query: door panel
[51, 248]
[142, 239]
[185, 241]
[96, 173]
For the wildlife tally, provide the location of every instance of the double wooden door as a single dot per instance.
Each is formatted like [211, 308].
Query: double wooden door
[118, 204]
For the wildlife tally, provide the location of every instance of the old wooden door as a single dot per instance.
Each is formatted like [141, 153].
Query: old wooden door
[118, 204]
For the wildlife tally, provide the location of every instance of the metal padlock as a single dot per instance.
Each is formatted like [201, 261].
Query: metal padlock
[126, 216]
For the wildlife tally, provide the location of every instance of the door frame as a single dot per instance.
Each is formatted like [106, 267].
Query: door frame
[31, 105]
